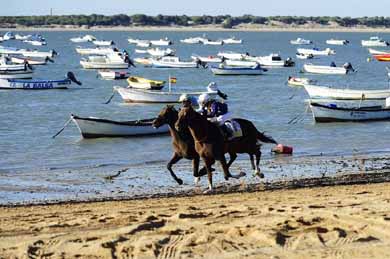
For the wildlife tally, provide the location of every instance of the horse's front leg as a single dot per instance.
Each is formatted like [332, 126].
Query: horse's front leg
[208, 162]
[195, 170]
[175, 158]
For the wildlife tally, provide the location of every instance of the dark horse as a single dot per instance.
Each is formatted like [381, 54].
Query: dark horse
[211, 145]
[182, 143]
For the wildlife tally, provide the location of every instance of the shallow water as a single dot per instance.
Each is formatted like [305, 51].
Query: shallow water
[35, 163]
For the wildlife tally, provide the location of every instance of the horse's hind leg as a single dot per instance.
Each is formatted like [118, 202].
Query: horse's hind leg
[226, 172]
[233, 157]
[208, 163]
[175, 158]
[257, 171]
[195, 170]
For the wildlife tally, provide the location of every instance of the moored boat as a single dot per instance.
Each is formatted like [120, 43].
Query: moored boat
[173, 62]
[208, 59]
[316, 52]
[96, 51]
[316, 91]
[374, 42]
[232, 40]
[235, 70]
[233, 55]
[301, 41]
[151, 96]
[13, 84]
[157, 52]
[111, 61]
[113, 75]
[382, 57]
[161, 42]
[144, 83]
[29, 60]
[103, 42]
[329, 70]
[212, 42]
[86, 38]
[299, 81]
[92, 127]
[337, 42]
[304, 56]
[376, 52]
[272, 60]
[334, 113]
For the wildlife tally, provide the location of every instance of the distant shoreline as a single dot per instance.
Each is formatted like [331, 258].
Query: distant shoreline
[207, 28]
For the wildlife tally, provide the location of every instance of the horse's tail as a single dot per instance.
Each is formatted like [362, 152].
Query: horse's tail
[264, 138]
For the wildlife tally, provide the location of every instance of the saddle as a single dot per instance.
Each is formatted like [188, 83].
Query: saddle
[231, 130]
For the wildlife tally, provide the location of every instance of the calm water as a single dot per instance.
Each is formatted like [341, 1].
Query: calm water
[33, 163]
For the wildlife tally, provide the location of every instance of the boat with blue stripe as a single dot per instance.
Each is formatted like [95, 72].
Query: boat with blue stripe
[223, 69]
[11, 84]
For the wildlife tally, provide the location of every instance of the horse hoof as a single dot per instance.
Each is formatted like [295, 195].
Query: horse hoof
[196, 180]
[208, 191]
[179, 181]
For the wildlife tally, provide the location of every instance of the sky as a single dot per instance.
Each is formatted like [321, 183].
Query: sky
[352, 8]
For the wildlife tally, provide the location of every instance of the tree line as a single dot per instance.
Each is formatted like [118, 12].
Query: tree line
[225, 21]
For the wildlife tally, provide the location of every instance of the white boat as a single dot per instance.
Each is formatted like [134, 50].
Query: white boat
[208, 59]
[13, 84]
[111, 61]
[157, 52]
[195, 40]
[316, 91]
[151, 96]
[378, 52]
[173, 62]
[143, 43]
[35, 42]
[86, 38]
[272, 60]
[300, 41]
[22, 37]
[337, 42]
[304, 56]
[1, 39]
[29, 60]
[146, 61]
[333, 113]
[103, 42]
[316, 52]
[92, 127]
[235, 71]
[300, 81]
[240, 63]
[144, 83]
[141, 51]
[113, 75]
[329, 70]
[96, 51]
[232, 40]
[232, 55]
[9, 36]
[212, 42]
[133, 41]
[161, 42]
[27, 52]
[14, 71]
[374, 42]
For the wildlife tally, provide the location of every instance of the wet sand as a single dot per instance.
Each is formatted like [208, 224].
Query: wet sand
[342, 221]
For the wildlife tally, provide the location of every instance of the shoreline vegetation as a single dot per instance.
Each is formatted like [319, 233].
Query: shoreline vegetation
[140, 22]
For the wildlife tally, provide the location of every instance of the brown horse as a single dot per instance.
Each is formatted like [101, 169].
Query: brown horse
[209, 141]
[182, 143]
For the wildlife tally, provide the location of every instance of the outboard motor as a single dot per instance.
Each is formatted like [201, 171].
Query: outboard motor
[348, 67]
[201, 63]
[27, 65]
[72, 78]
[129, 61]
[289, 62]
[49, 59]
[54, 53]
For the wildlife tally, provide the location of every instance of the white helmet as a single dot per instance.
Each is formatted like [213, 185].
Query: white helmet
[212, 87]
[183, 98]
[203, 98]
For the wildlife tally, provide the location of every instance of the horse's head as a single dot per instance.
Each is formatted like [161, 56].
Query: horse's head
[186, 115]
[168, 115]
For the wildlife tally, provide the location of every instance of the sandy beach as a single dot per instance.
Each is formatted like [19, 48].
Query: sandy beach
[350, 221]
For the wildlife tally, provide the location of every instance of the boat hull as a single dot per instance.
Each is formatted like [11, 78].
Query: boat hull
[325, 113]
[97, 128]
[34, 84]
[327, 70]
[237, 71]
[102, 65]
[315, 91]
[149, 96]
[16, 74]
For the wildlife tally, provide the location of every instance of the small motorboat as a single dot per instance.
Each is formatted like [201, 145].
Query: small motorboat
[316, 51]
[208, 59]
[92, 127]
[374, 42]
[304, 56]
[113, 75]
[232, 40]
[96, 51]
[376, 52]
[300, 81]
[161, 42]
[334, 113]
[316, 91]
[29, 60]
[14, 84]
[143, 83]
[382, 57]
[141, 51]
[336, 42]
[111, 61]
[151, 96]
[224, 70]
[194, 40]
[27, 52]
[143, 43]
[232, 55]
[103, 42]
[272, 60]
[157, 52]
[300, 41]
[86, 38]
[212, 42]
[14, 71]
[329, 70]
[146, 61]
[22, 37]
[173, 62]
[36, 42]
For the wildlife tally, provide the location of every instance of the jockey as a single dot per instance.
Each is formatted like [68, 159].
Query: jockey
[215, 111]
[187, 100]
